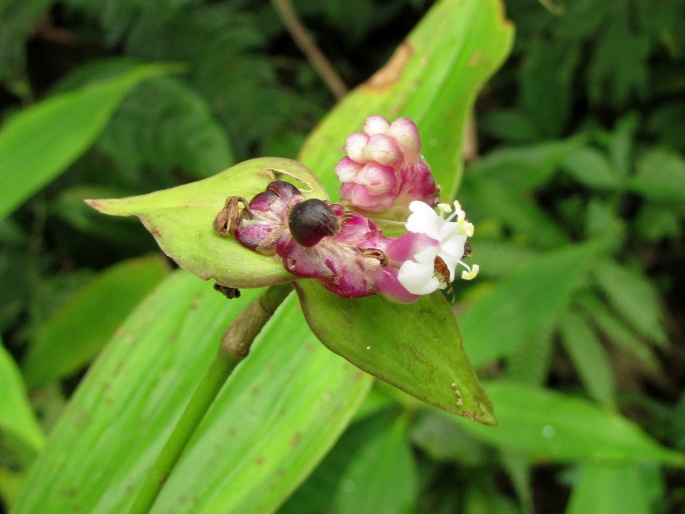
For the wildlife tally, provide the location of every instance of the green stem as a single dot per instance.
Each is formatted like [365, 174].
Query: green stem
[235, 346]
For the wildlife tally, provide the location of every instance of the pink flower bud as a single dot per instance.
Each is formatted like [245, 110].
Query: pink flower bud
[383, 150]
[394, 148]
[375, 124]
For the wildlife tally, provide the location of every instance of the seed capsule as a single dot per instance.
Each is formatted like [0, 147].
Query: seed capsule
[311, 221]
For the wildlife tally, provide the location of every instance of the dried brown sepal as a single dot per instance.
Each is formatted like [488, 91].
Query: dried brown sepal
[229, 217]
[375, 253]
[228, 292]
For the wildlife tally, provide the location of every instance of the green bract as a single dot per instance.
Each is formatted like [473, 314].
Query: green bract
[181, 220]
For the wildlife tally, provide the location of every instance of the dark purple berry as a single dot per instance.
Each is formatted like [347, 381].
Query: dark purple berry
[311, 221]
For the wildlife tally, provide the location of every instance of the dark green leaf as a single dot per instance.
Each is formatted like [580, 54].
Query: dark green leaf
[382, 476]
[588, 357]
[415, 347]
[660, 176]
[591, 168]
[634, 297]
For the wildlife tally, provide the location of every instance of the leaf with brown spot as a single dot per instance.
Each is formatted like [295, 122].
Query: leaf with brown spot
[416, 347]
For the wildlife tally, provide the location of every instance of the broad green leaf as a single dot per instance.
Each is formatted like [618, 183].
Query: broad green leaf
[75, 334]
[562, 428]
[382, 476]
[433, 80]
[660, 176]
[591, 168]
[277, 416]
[317, 493]
[609, 489]
[634, 297]
[123, 411]
[181, 220]
[39, 143]
[16, 414]
[415, 347]
[516, 307]
[589, 358]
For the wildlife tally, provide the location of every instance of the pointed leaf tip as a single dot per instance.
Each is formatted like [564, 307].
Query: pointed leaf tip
[181, 220]
[415, 347]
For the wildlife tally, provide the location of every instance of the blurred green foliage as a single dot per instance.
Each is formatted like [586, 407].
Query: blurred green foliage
[578, 197]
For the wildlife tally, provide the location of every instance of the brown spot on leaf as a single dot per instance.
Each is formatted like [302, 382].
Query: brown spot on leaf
[295, 441]
[389, 74]
[260, 461]
[69, 492]
[155, 232]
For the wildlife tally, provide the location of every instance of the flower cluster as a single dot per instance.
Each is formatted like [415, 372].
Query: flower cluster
[384, 169]
[343, 249]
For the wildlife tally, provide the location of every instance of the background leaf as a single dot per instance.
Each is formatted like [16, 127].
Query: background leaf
[553, 426]
[39, 143]
[382, 476]
[75, 334]
[16, 414]
[511, 312]
[609, 489]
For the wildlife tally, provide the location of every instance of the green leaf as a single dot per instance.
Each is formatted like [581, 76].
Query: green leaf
[123, 412]
[589, 357]
[609, 489]
[166, 125]
[591, 168]
[491, 198]
[181, 220]
[525, 167]
[531, 361]
[40, 142]
[563, 428]
[634, 297]
[433, 80]
[617, 332]
[415, 347]
[74, 335]
[274, 420]
[16, 414]
[660, 176]
[382, 476]
[516, 307]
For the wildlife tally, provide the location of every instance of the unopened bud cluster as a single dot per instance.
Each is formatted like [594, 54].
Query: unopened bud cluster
[338, 245]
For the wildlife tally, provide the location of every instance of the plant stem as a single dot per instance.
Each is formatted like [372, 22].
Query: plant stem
[299, 34]
[235, 346]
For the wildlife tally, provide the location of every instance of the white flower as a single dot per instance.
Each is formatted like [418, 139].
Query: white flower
[424, 273]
